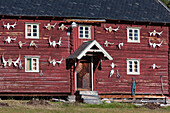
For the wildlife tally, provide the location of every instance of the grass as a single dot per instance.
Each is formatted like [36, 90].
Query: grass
[16, 106]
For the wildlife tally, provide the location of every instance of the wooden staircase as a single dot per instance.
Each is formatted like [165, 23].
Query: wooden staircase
[89, 97]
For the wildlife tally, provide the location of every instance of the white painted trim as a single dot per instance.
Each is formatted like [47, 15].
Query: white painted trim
[31, 37]
[164, 5]
[92, 75]
[75, 75]
[133, 28]
[89, 31]
[138, 63]
[83, 53]
[32, 57]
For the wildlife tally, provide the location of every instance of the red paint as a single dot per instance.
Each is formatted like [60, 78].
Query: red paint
[60, 80]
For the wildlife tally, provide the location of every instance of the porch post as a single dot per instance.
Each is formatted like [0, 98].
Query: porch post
[92, 73]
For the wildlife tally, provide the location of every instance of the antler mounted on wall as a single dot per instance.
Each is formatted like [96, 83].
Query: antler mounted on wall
[62, 27]
[21, 44]
[49, 26]
[32, 44]
[155, 33]
[16, 62]
[54, 43]
[9, 39]
[113, 65]
[154, 44]
[120, 45]
[4, 62]
[107, 43]
[112, 70]
[110, 29]
[154, 66]
[10, 62]
[8, 25]
[54, 62]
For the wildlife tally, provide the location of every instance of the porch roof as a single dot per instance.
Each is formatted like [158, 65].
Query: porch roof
[88, 47]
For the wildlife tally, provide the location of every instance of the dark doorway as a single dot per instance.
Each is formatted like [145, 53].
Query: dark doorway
[84, 79]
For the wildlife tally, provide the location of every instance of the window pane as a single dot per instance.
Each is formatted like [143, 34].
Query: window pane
[86, 32]
[130, 34]
[34, 64]
[130, 31]
[86, 36]
[34, 30]
[28, 30]
[86, 28]
[130, 70]
[28, 34]
[130, 62]
[34, 26]
[136, 31]
[81, 31]
[34, 34]
[81, 36]
[28, 64]
[136, 70]
[81, 28]
[28, 26]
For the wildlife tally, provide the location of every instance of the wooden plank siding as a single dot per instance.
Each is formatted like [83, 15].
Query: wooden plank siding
[60, 80]
[148, 82]
[54, 80]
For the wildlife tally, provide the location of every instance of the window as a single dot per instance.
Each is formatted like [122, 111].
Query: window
[31, 64]
[133, 67]
[84, 32]
[133, 35]
[32, 31]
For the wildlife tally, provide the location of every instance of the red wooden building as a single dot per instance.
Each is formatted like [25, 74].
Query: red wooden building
[55, 48]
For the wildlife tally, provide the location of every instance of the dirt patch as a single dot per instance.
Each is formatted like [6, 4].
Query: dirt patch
[152, 106]
[4, 104]
[38, 102]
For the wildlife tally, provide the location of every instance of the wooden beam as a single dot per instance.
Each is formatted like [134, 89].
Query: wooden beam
[39, 94]
[130, 96]
[86, 20]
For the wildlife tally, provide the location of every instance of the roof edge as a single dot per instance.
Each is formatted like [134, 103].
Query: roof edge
[164, 5]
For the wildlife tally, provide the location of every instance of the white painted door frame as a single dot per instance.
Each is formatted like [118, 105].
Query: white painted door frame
[92, 74]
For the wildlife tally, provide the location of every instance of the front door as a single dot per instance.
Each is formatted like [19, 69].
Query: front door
[84, 76]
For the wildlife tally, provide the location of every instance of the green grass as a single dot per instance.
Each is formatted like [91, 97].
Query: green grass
[111, 105]
[16, 106]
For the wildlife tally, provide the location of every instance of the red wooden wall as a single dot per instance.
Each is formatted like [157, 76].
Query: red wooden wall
[148, 82]
[55, 79]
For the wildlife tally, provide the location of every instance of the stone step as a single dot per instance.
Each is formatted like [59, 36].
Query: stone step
[92, 101]
[168, 101]
[90, 97]
[71, 98]
[88, 93]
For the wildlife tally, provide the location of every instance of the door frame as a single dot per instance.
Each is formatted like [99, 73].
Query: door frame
[91, 72]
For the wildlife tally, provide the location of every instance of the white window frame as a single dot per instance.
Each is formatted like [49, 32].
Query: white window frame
[26, 31]
[89, 31]
[37, 66]
[133, 67]
[133, 32]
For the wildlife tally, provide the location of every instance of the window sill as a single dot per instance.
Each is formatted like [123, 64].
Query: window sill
[133, 73]
[84, 38]
[32, 71]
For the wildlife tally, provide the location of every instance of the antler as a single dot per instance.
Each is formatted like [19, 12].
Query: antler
[53, 25]
[59, 42]
[49, 41]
